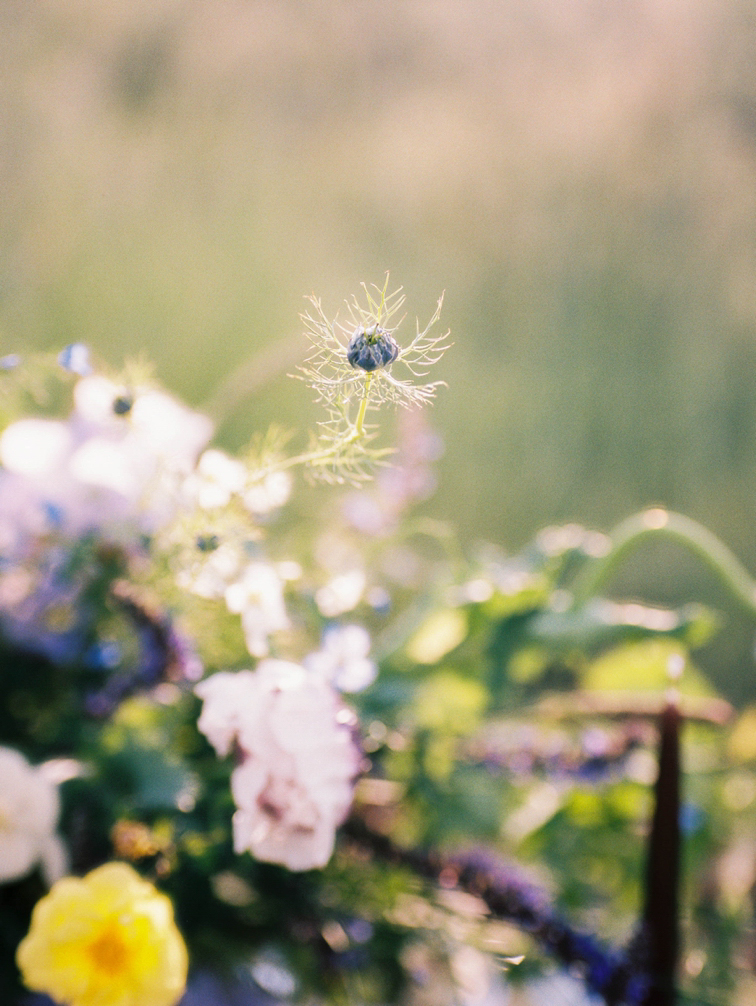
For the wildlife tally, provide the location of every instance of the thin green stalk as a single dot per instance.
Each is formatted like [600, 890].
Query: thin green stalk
[309, 457]
[657, 523]
[359, 425]
[324, 453]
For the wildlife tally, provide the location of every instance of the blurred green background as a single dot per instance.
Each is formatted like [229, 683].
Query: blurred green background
[579, 176]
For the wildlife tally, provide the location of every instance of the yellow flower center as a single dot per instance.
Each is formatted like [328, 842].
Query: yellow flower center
[109, 951]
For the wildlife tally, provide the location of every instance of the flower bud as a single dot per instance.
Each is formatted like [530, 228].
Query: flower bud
[371, 348]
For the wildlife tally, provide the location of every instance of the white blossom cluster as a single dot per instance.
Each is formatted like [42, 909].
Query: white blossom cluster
[294, 784]
[110, 470]
[219, 478]
[123, 464]
[253, 589]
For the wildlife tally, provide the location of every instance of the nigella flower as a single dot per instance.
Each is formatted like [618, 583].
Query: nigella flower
[355, 359]
[371, 348]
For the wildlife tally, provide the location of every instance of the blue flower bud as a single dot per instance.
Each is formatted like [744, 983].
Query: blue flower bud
[207, 542]
[75, 358]
[371, 348]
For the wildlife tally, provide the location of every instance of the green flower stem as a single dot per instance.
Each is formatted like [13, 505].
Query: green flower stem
[353, 435]
[322, 456]
[311, 457]
[658, 523]
[359, 425]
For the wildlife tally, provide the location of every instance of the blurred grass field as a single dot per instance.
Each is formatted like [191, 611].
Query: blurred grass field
[579, 177]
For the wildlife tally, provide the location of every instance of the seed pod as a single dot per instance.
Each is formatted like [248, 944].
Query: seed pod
[371, 348]
[123, 405]
[207, 542]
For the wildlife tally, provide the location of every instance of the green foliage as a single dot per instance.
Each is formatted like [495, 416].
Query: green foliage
[513, 711]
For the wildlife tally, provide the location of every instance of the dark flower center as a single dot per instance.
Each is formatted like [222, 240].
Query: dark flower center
[123, 405]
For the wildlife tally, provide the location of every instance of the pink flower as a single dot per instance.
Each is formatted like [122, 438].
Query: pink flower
[294, 785]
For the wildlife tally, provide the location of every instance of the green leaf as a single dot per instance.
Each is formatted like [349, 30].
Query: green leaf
[644, 666]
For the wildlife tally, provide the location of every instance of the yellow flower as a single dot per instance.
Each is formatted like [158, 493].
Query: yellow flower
[107, 939]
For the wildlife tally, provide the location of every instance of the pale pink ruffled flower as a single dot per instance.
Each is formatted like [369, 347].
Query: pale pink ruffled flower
[299, 759]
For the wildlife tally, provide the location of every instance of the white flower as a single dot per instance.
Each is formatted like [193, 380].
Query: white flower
[111, 467]
[35, 447]
[29, 808]
[111, 470]
[258, 597]
[341, 594]
[216, 479]
[93, 401]
[211, 576]
[104, 463]
[295, 783]
[343, 659]
[269, 493]
[169, 430]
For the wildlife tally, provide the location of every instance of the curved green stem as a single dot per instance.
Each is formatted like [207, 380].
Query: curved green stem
[674, 526]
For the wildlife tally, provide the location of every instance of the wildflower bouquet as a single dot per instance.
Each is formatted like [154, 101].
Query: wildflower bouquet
[247, 757]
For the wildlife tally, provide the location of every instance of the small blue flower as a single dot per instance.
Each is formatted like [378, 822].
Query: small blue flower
[54, 514]
[692, 818]
[10, 362]
[104, 655]
[75, 359]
